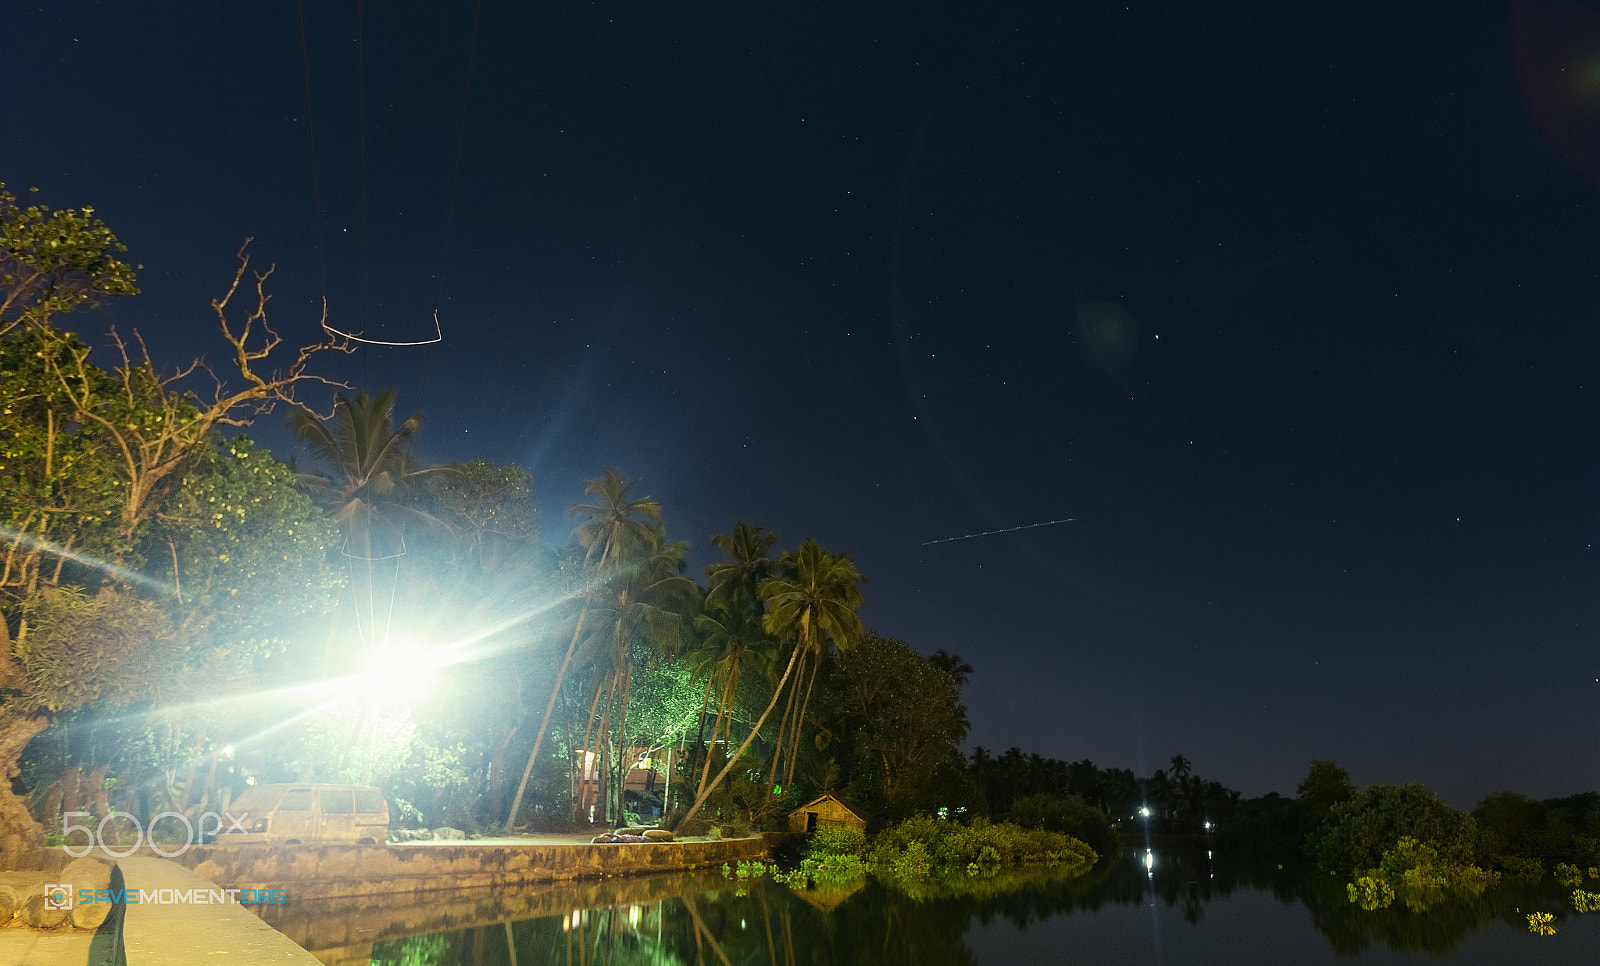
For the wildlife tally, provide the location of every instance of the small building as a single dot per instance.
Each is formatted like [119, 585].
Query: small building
[826, 810]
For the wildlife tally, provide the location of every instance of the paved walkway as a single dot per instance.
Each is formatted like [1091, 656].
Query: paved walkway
[24, 947]
[188, 935]
[165, 934]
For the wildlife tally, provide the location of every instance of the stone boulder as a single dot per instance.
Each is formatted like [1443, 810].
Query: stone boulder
[400, 835]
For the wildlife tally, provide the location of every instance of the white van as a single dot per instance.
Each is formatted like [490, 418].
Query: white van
[307, 815]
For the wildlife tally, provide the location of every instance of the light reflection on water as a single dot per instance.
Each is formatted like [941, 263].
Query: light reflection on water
[1153, 907]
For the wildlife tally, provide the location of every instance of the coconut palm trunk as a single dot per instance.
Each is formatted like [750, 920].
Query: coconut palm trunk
[700, 728]
[733, 759]
[783, 729]
[579, 789]
[722, 708]
[549, 709]
[794, 750]
[603, 775]
[624, 752]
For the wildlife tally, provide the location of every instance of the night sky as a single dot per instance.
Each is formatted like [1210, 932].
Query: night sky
[1291, 306]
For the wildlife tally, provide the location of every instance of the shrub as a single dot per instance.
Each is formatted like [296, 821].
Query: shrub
[837, 840]
[1569, 875]
[913, 863]
[1069, 815]
[1359, 831]
[952, 847]
[1521, 868]
[1371, 893]
[1415, 871]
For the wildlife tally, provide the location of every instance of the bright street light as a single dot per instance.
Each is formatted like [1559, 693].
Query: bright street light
[398, 672]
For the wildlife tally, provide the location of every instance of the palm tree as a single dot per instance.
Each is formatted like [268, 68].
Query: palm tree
[367, 495]
[814, 602]
[953, 665]
[736, 581]
[644, 610]
[730, 642]
[372, 468]
[731, 621]
[615, 527]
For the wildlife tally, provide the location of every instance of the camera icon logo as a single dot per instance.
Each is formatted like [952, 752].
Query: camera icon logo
[58, 897]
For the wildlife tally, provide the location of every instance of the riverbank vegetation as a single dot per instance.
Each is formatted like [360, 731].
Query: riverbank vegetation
[926, 856]
[186, 613]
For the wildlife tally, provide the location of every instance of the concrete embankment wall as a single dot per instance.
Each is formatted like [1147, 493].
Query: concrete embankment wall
[328, 871]
[353, 922]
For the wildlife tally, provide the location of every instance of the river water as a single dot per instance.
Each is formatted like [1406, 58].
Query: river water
[1155, 908]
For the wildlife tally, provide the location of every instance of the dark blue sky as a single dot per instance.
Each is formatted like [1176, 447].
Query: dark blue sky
[1292, 306]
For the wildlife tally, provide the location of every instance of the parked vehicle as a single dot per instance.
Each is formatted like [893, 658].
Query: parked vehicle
[307, 815]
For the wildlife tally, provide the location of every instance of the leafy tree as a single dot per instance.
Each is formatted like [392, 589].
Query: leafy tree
[1360, 830]
[952, 663]
[93, 466]
[488, 510]
[1516, 830]
[1068, 814]
[61, 489]
[52, 262]
[902, 715]
[248, 552]
[1324, 786]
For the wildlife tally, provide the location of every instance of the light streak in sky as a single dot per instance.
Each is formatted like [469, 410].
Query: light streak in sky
[990, 533]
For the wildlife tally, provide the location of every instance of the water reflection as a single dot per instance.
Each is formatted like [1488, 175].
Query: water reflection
[702, 918]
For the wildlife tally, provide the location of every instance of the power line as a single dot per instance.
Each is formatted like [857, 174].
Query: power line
[361, 164]
[311, 149]
[455, 167]
[451, 194]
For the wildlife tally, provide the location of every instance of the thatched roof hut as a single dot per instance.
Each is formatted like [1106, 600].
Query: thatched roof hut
[825, 810]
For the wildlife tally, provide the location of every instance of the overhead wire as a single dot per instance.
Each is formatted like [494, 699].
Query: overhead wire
[451, 195]
[361, 165]
[311, 149]
[455, 166]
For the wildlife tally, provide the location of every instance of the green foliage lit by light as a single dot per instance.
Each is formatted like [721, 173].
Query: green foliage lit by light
[902, 713]
[1415, 872]
[250, 549]
[412, 951]
[52, 262]
[1361, 829]
[1568, 875]
[81, 648]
